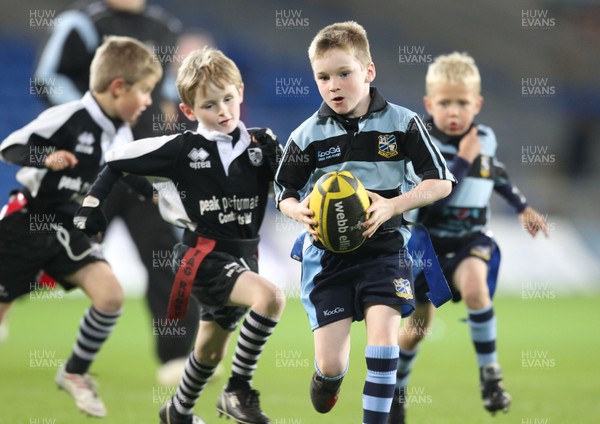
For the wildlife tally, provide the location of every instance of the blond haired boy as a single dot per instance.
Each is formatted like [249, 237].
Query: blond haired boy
[61, 153]
[217, 186]
[468, 255]
[356, 129]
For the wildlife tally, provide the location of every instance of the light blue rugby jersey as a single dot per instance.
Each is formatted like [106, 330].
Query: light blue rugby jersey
[375, 148]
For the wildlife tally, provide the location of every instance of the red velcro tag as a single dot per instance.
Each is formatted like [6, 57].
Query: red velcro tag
[47, 281]
[184, 279]
[15, 204]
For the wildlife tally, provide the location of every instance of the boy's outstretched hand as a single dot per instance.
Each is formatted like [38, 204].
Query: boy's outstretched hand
[533, 222]
[60, 159]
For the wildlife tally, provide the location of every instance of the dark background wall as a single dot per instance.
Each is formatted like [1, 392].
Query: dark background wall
[546, 47]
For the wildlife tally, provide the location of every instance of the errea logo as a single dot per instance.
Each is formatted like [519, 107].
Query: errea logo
[199, 157]
[85, 143]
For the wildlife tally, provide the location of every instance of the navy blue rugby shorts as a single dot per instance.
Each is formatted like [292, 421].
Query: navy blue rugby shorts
[339, 286]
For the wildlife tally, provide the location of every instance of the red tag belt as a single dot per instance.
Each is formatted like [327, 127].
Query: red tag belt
[184, 279]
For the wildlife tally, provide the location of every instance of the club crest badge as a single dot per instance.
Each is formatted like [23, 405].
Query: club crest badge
[403, 288]
[388, 147]
[256, 156]
[485, 166]
[481, 251]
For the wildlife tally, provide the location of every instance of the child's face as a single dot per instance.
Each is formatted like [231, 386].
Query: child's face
[218, 109]
[343, 83]
[453, 107]
[131, 100]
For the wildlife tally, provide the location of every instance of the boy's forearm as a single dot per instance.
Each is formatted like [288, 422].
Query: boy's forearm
[287, 206]
[104, 183]
[459, 168]
[425, 193]
[513, 196]
[25, 155]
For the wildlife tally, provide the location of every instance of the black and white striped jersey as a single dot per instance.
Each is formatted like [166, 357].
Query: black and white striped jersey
[211, 183]
[466, 210]
[80, 127]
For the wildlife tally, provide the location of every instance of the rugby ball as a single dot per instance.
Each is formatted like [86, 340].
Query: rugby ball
[340, 202]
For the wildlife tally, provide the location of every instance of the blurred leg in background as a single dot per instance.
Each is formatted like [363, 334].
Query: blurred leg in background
[155, 238]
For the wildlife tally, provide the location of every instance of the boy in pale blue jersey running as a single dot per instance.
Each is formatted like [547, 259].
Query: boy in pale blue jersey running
[356, 129]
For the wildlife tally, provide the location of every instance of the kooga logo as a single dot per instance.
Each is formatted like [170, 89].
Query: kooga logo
[337, 310]
[332, 152]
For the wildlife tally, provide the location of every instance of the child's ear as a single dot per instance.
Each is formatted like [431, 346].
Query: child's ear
[117, 87]
[370, 73]
[187, 111]
[241, 92]
[427, 103]
[478, 105]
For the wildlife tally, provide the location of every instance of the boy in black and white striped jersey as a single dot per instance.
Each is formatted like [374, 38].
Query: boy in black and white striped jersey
[61, 153]
[216, 188]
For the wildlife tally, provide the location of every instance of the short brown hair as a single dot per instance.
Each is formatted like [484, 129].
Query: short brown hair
[348, 36]
[204, 66]
[122, 57]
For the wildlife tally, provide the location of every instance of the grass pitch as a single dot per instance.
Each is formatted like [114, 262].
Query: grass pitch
[549, 349]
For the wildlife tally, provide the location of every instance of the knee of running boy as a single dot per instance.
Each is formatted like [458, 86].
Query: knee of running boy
[270, 301]
[210, 350]
[112, 302]
[111, 297]
[210, 355]
[331, 364]
[476, 295]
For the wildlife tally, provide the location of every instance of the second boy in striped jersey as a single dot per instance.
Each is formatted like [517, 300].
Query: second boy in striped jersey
[468, 255]
[216, 187]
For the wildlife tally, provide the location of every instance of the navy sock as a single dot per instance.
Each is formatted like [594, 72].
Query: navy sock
[382, 363]
[482, 324]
